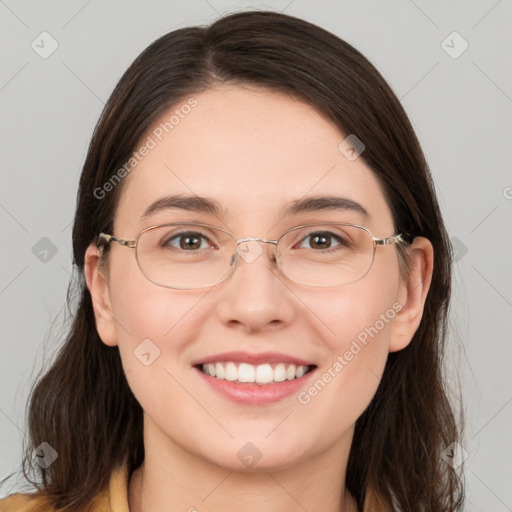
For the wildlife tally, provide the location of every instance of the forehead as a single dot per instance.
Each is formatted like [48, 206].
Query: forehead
[252, 151]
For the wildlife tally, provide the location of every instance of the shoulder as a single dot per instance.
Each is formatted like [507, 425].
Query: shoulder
[114, 498]
[25, 503]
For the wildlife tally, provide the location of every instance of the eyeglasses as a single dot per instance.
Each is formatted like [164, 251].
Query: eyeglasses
[188, 256]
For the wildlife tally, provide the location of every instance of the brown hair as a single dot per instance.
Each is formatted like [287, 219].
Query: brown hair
[83, 406]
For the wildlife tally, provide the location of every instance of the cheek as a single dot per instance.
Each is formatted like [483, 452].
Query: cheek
[356, 324]
[361, 311]
[143, 310]
[153, 326]
[150, 320]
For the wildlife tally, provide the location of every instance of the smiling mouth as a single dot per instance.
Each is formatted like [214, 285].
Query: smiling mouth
[262, 374]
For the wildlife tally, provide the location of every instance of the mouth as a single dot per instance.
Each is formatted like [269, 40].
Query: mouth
[262, 374]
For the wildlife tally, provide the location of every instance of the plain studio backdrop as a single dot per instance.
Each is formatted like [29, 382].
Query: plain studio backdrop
[448, 62]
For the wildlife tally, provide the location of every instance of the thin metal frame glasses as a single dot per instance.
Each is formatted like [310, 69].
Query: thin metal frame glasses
[351, 261]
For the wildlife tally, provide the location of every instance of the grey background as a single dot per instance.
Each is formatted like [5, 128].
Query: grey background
[461, 110]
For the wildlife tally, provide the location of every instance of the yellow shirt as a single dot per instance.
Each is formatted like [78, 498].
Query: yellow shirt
[115, 499]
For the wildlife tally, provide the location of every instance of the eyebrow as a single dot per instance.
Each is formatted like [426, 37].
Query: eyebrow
[207, 205]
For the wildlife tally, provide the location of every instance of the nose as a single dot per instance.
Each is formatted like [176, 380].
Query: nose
[256, 296]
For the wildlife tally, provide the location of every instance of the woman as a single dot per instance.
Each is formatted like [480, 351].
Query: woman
[266, 279]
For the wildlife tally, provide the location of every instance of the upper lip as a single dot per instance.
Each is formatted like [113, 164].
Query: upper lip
[254, 359]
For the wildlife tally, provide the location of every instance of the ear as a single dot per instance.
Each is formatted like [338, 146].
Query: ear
[412, 294]
[97, 282]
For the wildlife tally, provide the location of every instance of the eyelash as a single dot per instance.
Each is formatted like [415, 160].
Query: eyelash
[341, 241]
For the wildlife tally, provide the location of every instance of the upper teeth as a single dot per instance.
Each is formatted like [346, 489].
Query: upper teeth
[261, 374]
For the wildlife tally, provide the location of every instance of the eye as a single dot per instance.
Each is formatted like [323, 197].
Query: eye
[188, 241]
[323, 240]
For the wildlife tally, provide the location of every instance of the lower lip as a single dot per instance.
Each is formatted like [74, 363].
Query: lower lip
[252, 393]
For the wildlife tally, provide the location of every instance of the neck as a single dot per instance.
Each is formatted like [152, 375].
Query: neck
[172, 479]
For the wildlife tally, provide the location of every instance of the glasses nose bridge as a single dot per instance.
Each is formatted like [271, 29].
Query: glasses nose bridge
[248, 258]
[256, 239]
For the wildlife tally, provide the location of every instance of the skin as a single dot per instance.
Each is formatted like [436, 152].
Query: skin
[253, 150]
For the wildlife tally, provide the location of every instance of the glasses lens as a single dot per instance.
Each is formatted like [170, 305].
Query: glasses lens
[326, 255]
[185, 256]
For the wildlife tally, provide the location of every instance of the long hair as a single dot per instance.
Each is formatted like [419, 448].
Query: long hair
[83, 407]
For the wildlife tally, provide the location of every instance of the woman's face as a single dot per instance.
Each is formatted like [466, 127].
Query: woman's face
[253, 152]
